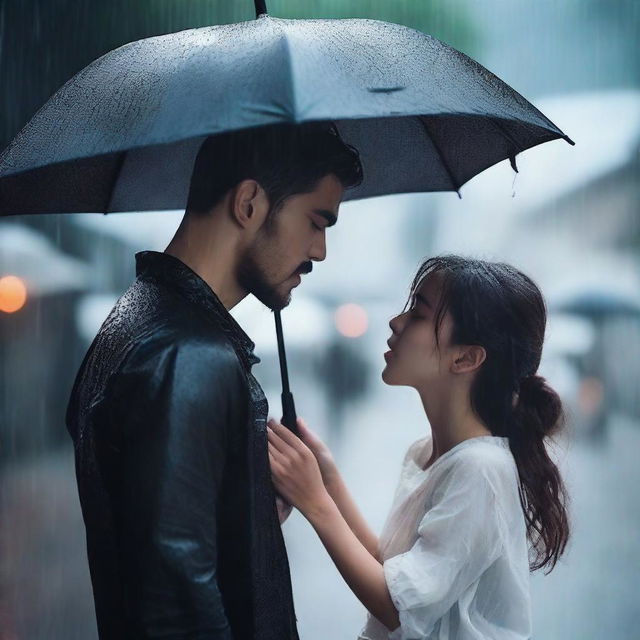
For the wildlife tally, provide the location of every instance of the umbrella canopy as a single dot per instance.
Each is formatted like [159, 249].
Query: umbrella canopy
[122, 134]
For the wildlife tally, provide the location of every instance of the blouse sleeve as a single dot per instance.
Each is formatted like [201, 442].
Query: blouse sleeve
[459, 537]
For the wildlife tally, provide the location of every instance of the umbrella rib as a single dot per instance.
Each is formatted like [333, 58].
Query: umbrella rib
[456, 186]
[121, 157]
[512, 158]
[291, 83]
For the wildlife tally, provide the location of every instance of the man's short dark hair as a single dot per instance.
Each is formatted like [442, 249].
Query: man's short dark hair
[285, 159]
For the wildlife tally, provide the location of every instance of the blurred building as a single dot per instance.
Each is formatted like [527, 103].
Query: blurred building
[600, 217]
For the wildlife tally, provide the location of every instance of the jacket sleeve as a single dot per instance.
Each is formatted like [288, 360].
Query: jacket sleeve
[176, 404]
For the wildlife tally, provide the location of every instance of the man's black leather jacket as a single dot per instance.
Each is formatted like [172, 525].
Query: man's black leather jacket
[169, 430]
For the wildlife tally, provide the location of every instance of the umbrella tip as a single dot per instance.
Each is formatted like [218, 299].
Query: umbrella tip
[261, 8]
[569, 140]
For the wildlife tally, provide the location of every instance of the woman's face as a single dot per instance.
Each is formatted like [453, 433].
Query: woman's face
[414, 359]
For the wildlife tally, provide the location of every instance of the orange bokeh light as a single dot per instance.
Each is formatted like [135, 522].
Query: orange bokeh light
[13, 294]
[351, 320]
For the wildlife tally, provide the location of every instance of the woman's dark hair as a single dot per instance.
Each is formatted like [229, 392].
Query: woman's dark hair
[496, 306]
[285, 159]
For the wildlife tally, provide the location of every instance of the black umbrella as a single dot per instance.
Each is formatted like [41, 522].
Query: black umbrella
[123, 133]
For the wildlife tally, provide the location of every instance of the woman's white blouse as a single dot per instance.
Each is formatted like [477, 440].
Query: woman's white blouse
[454, 546]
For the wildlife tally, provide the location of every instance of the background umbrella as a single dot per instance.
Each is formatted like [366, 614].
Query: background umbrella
[123, 133]
[599, 303]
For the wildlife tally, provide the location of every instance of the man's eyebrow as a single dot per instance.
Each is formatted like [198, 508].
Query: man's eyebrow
[422, 299]
[329, 216]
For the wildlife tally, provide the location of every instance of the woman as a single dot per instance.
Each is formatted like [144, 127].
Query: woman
[453, 560]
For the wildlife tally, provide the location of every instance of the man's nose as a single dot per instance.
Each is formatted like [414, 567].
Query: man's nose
[319, 248]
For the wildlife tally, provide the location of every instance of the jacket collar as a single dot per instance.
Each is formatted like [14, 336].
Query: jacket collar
[176, 274]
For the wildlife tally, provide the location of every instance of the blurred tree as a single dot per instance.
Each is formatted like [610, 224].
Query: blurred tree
[45, 42]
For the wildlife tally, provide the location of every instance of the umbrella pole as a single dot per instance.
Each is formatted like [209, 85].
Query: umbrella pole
[261, 8]
[289, 418]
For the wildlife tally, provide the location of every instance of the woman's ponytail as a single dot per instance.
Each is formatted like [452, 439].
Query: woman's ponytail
[538, 413]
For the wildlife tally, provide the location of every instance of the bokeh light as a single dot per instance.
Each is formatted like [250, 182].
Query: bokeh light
[13, 294]
[351, 320]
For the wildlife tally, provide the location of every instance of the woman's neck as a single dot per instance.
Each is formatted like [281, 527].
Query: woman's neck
[451, 418]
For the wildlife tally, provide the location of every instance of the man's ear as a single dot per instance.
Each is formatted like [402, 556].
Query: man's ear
[468, 358]
[249, 204]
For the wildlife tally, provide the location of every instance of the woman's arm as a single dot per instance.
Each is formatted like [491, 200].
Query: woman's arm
[297, 477]
[360, 570]
[338, 490]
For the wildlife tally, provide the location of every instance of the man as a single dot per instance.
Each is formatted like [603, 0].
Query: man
[169, 424]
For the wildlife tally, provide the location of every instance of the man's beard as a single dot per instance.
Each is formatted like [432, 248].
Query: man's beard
[252, 279]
